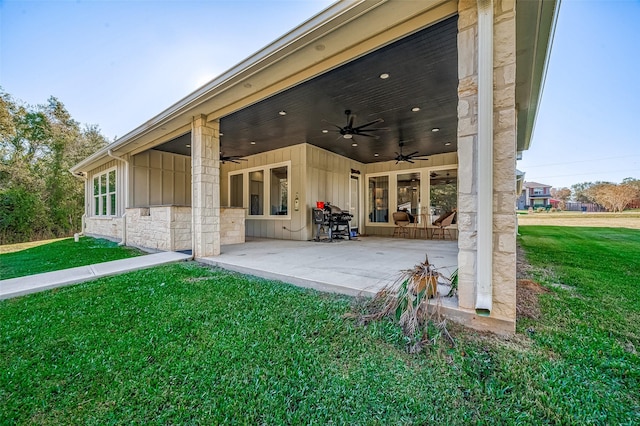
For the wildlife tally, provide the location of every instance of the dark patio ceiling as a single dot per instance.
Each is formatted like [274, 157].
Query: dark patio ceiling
[422, 71]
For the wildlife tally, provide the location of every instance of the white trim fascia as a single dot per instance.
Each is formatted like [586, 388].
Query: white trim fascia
[484, 273]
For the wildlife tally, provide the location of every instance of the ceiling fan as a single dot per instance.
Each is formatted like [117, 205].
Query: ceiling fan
[231, 158]
[349, 131]
[400, 157]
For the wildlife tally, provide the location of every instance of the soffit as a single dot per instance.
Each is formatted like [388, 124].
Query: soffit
[422, 70]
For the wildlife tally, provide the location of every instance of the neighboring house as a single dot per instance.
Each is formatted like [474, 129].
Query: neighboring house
[458, 82]
[535, 195]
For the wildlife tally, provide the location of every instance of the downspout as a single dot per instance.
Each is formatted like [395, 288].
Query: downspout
[484, 286]
[83, 176]
[126, 197]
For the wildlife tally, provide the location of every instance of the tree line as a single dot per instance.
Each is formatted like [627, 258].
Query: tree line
[614, 197]
[39, 198]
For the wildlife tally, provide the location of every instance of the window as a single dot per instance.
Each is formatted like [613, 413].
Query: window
[256, 192]
[279, 191]
[264, 191]
[425, 193]
[236, 190]
[104, 194]
[443, 192]
[409, 192]
[379, 199]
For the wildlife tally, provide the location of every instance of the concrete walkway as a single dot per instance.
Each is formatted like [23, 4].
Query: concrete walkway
[33, 283]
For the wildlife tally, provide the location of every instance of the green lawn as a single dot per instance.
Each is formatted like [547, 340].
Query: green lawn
[61, 254]
[188, 344]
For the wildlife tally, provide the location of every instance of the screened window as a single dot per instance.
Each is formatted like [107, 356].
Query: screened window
[379, 199]
[104, 194]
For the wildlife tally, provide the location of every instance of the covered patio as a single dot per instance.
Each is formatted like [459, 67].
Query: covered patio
[358, 267]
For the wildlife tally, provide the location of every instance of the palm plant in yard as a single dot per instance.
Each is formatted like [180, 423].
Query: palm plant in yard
[408, 301]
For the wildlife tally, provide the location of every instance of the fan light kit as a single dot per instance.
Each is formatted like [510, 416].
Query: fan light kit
[349, 130]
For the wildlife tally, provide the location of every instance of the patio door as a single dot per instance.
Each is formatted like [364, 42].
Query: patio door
[354, 201]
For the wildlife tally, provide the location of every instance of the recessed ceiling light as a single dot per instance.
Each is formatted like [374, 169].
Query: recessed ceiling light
[415, 109]
[384, 75]
[252, 142]
[376, 154]
[247, 85]
[354, 144]
[435, 129]
[282, 112]
[325, 131]
[221, 134]
[188, 146]
[447, 144]
[319, 47]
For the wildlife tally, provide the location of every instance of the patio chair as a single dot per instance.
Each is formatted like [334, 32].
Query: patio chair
[444, 225]
[402, 221]
[421, 225]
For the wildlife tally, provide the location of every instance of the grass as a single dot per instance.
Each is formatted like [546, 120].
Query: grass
[18, 260]
[189, 344]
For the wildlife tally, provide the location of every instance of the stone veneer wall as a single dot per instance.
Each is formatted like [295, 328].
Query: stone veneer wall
[166, 228]
[503, 313]
[107, 227]
[232, 226]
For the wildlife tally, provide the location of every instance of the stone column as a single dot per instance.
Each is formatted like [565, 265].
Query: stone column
[504, 160]
[205, 178]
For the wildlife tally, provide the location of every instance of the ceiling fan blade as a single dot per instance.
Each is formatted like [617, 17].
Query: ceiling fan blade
[367, 135]
[379, 120]
[409, 161]
[335, 125]
[412, 154]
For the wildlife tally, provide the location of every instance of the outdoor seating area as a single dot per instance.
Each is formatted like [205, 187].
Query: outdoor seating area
[443, 228]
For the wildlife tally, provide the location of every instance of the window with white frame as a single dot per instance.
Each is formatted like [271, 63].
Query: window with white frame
[263, 191]
[424, 193]
[104, 193]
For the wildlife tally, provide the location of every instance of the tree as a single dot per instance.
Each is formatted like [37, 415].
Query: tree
[38, 145]
[561, 194]
[614, 197]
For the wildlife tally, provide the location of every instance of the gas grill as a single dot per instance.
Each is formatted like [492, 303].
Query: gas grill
[331, 221]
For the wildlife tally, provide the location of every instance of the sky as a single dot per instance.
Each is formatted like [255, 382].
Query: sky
[117, 64]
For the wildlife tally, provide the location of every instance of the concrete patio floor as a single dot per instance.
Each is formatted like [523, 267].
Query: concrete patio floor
[358, 267]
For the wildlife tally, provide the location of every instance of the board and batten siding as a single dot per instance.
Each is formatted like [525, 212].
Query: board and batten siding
[269, 227]
[160, 178]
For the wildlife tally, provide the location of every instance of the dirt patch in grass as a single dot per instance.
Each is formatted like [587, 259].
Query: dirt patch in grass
[527, 290]
[527, 305]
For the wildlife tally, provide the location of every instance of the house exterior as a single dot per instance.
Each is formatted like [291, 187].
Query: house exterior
[319, 115]
[535, 195]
